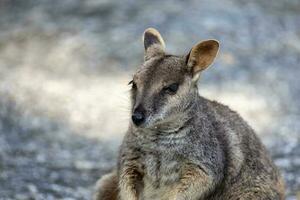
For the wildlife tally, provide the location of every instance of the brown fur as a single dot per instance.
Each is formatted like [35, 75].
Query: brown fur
[187, 147]
[106, 187]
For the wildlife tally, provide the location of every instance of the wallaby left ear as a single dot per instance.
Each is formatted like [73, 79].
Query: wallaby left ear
[153, 43]
[202, 55]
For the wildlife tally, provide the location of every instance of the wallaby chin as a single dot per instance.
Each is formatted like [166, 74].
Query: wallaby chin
[183, 146]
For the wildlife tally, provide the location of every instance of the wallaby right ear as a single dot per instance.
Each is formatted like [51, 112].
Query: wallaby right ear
[202, 55]
[153, 43]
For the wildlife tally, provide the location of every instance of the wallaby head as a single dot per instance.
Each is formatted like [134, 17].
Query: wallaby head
[163, 87]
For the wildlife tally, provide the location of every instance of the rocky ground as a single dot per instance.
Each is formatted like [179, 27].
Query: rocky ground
[64, 66]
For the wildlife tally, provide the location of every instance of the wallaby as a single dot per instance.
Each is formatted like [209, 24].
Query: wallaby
[180, 145]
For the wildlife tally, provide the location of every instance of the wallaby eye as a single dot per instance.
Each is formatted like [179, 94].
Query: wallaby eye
[171, 89]
[133, 85]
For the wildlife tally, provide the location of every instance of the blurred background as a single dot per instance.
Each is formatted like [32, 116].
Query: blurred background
[65, 65]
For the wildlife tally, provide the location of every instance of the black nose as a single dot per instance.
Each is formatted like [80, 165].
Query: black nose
[138, 116]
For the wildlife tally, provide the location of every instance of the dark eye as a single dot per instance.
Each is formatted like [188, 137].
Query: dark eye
[133, 85]
[171, 89]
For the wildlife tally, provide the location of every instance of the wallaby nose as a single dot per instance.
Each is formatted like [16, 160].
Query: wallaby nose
[138, 116]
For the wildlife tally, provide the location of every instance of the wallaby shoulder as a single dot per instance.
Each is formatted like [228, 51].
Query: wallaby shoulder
[249, 161]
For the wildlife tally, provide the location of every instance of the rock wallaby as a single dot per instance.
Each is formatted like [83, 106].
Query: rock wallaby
[181, 146]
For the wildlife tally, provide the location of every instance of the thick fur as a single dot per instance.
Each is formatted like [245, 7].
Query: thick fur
[106, 187]
[189, 147]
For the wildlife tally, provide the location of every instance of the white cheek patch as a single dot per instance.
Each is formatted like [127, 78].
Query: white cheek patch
[163, 112]
[176, 99]
[174, 105]
[196, 78]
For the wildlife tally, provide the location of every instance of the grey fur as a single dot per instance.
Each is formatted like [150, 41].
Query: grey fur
[189, 147]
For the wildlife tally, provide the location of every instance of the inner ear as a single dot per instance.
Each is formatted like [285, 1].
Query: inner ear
[202, 55]
[153, 43]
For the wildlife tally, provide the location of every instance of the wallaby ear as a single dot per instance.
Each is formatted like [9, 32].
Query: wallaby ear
[153, 43]
[202, 55]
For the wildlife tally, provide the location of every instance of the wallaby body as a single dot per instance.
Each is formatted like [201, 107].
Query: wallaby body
[183, 146]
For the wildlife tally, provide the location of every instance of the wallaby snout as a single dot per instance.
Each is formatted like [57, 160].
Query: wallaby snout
[139, 115]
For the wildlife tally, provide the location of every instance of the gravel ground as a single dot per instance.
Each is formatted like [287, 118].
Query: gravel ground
[64, 66]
